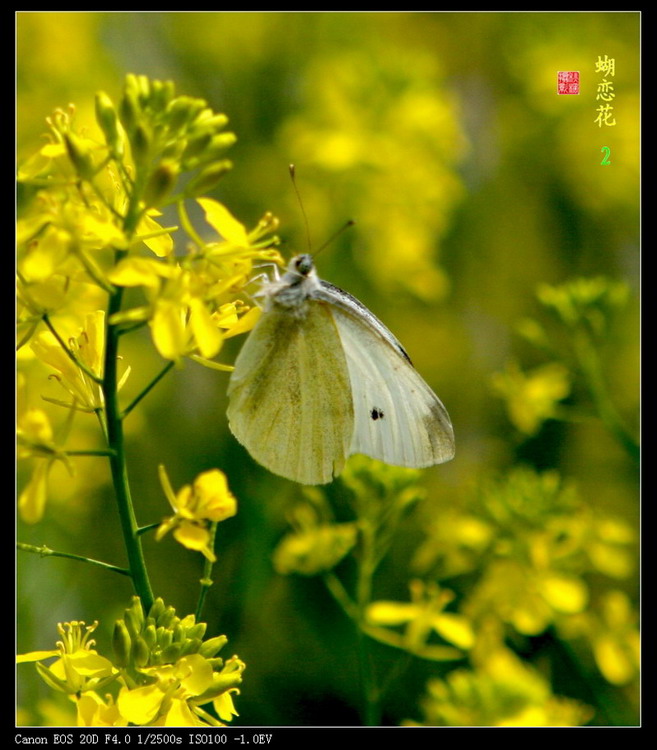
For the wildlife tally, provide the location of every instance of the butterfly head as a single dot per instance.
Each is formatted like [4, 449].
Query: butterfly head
[301, 265]
[297, 284]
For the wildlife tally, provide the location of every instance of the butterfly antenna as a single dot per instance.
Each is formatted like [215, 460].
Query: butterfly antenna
[334, 236]
[300, 202]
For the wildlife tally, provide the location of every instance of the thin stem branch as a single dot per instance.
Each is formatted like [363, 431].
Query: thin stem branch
[147, 389]
[44, 551]
[99, 452]
[589, 361]
[206, 582]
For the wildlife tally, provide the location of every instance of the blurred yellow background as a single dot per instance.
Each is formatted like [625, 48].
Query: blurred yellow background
[471, 182]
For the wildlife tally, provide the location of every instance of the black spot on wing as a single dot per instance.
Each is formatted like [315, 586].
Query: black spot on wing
[376, 413]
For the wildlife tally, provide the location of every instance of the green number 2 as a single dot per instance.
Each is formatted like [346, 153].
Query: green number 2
[605, 159]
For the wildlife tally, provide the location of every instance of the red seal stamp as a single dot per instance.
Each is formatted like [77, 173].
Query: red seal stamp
[568, 82]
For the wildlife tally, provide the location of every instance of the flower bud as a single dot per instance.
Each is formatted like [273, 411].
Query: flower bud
[171, 653]
[208, 178]
[134, 617]
[140, 652]
[197, 146]
[182, 111]
[79, 155]
[161, 94]
[108, 121]
[164, 637]
[143, 90]
[150, 635]
[129, 111]
[141, 143]
[190, 646]
[121, 643]
[213, 646]
[156, 609]
[198, 630]
[166, 617]
[160, 183]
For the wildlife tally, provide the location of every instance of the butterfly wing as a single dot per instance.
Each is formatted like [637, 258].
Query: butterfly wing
[398, 419]
[290, 396]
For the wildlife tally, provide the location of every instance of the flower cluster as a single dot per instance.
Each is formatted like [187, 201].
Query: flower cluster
[90, 212]
[97, 261]
[163, 673]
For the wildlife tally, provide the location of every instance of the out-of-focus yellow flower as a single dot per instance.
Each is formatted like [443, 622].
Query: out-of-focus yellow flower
[500, 692]
[424, 614]
[35, 441]
[616, 644]
[382, 114]
[207, 501]
[314, 549]
[527, 598]
[532, 397]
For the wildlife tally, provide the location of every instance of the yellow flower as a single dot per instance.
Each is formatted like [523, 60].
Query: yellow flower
[180, 688]
[616, 644]
[93, 711]
[315, 549]
[35, 441]
[224, 705]
[79, 667]
[500, 692]
[89, 349]
[425, 613]
[532, 397]
[196, 506]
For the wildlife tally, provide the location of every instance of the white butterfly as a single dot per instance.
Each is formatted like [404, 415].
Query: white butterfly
[320, 378]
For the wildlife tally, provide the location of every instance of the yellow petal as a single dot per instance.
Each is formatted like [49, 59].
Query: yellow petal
[140, 706]
[392, 613]
[454, 628]
[613, 660]
[36, 656]
[206, 334]
[168, 328]
[225, 707]
[245, 323]
[136, 272]
[162, 244]
[32, 500]
[220, 218]
[563, 593]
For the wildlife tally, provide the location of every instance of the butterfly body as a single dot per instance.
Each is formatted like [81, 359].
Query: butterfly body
[321, 378]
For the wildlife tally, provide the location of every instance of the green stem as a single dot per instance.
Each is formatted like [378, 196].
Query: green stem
[44, 551]
[206, 582]
[149, 527]
[591, 366]
[118, 465]
[367, 564]
[339, 593]
[89, 453]
[148, 388]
